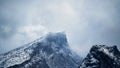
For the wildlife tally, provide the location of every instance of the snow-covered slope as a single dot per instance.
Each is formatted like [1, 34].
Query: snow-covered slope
[102, 56]
[50, 51]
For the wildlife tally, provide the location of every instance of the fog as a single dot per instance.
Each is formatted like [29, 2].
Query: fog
[85, 22]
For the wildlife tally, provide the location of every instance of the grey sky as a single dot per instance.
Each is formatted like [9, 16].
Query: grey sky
[86, 22]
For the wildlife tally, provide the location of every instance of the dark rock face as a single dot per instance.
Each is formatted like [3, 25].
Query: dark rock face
[102, 56]
[51, 51]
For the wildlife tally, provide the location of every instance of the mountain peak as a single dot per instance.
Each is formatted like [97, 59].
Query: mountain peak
[54, 40]
[59, 37]
[50, 51]
[111, 51]
[102, 56]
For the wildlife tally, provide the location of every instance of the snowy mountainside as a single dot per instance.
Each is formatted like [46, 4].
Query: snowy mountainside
[50, 51]
[102, 56]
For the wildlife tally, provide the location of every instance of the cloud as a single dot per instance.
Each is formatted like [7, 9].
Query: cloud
[33, 31]
[22, 36]
[85, 22]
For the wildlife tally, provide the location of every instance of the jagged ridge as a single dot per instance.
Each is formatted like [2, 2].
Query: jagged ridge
[102, 56]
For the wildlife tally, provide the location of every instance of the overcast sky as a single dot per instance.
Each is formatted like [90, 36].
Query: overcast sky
[85, 22]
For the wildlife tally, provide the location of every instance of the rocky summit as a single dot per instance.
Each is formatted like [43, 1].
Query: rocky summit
[102, 56]
[50, 51]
